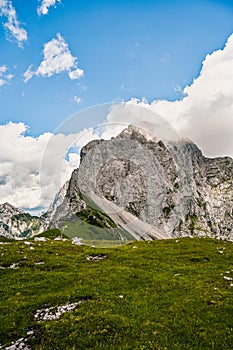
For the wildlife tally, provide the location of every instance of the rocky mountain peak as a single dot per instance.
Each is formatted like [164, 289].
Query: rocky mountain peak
[85, 149]
[8, 209]
[136, 133]
[170, 186]
[15, 223]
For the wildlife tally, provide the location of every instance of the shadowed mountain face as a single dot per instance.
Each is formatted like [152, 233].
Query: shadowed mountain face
[151, 188]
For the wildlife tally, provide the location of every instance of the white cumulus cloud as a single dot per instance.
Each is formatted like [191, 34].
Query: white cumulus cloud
[43, 9]
[5, 77]
[57, 58]
[76, 74]
[33, 169]
[20, 160]
[12, 25]
[205, 113]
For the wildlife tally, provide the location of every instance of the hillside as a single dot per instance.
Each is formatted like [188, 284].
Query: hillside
[167, 294]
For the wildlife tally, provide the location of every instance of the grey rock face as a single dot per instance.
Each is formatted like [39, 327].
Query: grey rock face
[123, 182]
[211, 209]
[150, 178]
[15, 223]
[67, 202]
[171, 186]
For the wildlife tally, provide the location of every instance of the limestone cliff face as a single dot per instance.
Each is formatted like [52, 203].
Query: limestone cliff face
[15, 223]
[211, 209]
[169, 185]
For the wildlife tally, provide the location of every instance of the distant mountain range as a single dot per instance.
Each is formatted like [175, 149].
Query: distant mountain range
[15, 223]
[141, 186]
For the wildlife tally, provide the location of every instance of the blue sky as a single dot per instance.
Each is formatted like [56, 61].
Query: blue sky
[173, 58]
[126, 49]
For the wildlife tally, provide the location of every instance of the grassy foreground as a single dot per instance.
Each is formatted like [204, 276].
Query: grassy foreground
[160, 295]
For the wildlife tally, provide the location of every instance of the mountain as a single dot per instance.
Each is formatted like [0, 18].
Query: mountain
[136, 186]
[151, 188]
[15, 223]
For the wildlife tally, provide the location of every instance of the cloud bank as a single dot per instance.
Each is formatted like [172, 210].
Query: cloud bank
[31, 173]
[205, 113]
[13, 27]
[57, 58]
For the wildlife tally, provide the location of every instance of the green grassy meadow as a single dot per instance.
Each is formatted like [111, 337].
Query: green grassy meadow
[165, 294]
[94, 235]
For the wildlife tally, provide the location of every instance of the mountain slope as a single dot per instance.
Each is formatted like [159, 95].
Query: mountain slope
[170, 186]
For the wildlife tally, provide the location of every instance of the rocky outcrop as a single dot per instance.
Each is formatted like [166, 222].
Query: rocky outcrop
[67, 202]
[168, 185]
[15, 223]
[211, 208]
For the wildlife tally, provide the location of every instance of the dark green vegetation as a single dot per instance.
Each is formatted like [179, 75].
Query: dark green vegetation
[96, 218]
[52, 233]
[145, 295]
[166, 210]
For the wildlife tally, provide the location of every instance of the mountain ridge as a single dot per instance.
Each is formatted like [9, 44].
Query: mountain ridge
[168, 186]
[16, 223]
